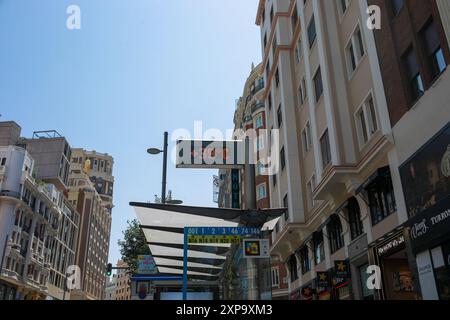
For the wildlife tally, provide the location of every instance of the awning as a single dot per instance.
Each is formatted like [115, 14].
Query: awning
[163, 227]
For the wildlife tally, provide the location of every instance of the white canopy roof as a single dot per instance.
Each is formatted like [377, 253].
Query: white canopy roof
[163, 227]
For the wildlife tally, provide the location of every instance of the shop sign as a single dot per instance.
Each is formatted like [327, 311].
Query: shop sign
[146, 265]
[427, 228]
[323, 285]
[307, 292]
[341, 273]
[323, 279]
[426, 176]
[256, 248]
[235, 190]
[392, 245]
[210, 154]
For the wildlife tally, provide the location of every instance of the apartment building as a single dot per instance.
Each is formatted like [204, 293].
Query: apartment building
[39, 225]
[91, 191]
[250, 119]
[110, 289]
[324, 92]
[123, 282]
[413, 46]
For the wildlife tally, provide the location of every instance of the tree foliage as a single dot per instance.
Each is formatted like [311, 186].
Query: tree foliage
[133, 244]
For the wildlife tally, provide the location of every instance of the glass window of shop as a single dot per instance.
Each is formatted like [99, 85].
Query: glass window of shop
[441, 265]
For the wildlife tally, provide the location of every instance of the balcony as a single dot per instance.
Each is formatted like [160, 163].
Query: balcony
[9, 193]
[258, 105]
[27, 177]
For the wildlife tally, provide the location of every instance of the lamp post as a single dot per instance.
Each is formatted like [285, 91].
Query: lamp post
[155, 151]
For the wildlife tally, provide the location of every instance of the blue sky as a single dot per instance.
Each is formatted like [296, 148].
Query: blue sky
[135, 69]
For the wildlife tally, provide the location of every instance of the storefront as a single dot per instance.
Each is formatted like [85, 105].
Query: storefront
[391, 255]
[430, 241]
[426, 184]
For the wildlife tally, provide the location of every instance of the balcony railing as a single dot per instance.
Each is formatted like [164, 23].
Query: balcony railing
[8, 193]
[257, 106]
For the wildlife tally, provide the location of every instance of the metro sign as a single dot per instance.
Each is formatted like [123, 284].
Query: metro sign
[210, 154]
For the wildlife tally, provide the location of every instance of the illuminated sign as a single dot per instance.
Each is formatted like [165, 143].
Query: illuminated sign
[256, 248]
[214, 239]
[210, 154]
[146, 265]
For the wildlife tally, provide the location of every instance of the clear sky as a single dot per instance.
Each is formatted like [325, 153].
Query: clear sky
[135, 69]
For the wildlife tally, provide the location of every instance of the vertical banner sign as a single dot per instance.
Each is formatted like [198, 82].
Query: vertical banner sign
[235, 192]
[216, 188]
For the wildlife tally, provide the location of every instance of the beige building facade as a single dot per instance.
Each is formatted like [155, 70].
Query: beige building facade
[91, 191]
[338, 171]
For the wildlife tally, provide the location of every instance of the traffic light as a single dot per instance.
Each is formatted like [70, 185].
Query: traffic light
[109, 269]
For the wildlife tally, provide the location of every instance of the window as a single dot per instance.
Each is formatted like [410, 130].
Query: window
[274, 45]
[311, 32]
[433, 50]
[304, 92]
[298, 51]
[286, 205]
[381, 197]
[397, 6]
[279, 116]
[294, 19]
[415, 83]
[344, 5]
[311, 185]
[269, 101]
[366, 120]
[318, 85]
[304, 260]
[274, 180]
[354, 218]
[319, 252]
[3, 161]
[265, 41]
[306, 138]
[259, 122]
[334, 229]
[282, 159]
[260, 169]
[271, 15]
[277, 78]
[355, 51]
[293, 268]
[275, 277]
[325, 149]
[261, 191]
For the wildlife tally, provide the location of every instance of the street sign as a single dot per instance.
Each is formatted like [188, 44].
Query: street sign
[210, 154]
[195, 239]
[256, 248]
[223, 231]
[146, 265]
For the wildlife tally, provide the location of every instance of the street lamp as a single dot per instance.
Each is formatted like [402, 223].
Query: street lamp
[155, 151]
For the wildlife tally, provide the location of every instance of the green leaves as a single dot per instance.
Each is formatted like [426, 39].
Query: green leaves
[133, 244]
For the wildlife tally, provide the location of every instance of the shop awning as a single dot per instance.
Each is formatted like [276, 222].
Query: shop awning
[163, 226]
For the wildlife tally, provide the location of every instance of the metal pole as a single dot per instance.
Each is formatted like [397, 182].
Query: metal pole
[250, 202]
[164, 177]
[185, 262]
